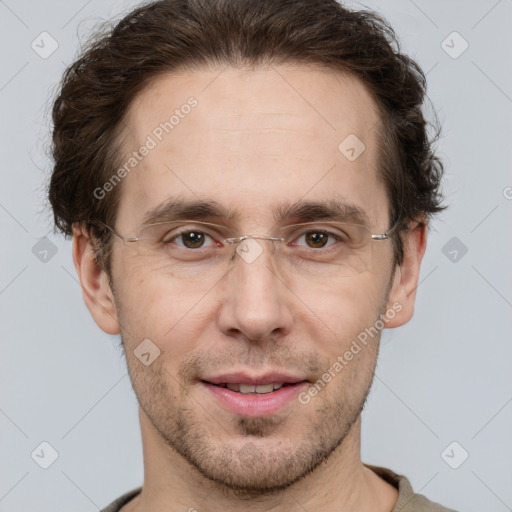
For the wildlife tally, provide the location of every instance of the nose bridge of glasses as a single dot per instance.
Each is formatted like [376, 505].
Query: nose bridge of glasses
[248, 248]
[239, 239]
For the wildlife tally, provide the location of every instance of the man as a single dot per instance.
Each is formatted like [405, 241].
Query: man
[248, 185]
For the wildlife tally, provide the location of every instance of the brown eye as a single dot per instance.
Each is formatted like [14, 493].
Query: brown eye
[192, 239]
[316, 239]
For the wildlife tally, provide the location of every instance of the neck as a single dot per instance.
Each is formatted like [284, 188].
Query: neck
[341, 483]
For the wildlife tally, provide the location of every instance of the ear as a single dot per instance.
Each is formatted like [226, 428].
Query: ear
[98, 296]
[405, 281]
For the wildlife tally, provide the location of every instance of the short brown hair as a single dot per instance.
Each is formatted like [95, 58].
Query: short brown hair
[165, 35]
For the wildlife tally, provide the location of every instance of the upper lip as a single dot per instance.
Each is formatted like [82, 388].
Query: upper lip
[254, 380]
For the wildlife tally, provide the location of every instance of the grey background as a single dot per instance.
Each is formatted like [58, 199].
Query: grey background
[444, 377]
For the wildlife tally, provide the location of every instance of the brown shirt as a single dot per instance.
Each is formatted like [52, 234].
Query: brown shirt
[407, 501]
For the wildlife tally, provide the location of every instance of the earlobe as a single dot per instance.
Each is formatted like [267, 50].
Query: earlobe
[405, 281]
[94, 281]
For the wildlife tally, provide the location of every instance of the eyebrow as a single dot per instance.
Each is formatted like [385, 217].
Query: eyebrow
[333, 210]
[174, 208]
[181, 209]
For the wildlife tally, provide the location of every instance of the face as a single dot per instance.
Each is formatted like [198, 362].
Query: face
[255, 143]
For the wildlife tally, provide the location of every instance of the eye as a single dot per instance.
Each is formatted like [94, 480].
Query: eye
[191, 239]
[317, 239]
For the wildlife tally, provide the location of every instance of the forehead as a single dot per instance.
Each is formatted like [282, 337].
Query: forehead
[253, 140]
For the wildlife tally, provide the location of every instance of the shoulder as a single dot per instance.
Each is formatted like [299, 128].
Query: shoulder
[116, 505]
[408, 500]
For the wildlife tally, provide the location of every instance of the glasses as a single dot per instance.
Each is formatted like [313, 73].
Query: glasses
[190, 249]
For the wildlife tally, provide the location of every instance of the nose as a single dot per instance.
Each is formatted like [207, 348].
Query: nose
[256, 303]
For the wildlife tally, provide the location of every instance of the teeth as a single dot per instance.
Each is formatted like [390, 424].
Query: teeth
[247, 388]
[250, 389]
[265, 388]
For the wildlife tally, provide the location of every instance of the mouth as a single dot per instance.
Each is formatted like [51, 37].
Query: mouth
[254, 400]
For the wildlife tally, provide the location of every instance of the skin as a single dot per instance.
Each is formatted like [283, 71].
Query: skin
[253, 143]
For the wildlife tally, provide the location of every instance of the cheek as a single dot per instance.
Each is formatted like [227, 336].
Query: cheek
[152, 306]
[348, 308]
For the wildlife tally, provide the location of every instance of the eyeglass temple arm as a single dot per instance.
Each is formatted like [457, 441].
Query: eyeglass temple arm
[114, 232]
[385, 236]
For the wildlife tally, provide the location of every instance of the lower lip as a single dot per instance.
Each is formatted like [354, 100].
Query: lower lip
[253, 406]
